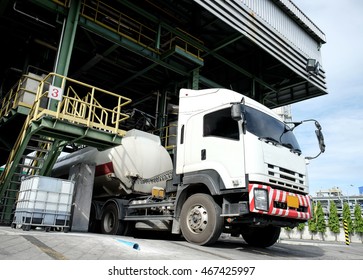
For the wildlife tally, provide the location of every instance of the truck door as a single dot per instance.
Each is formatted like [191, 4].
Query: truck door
[216, 144]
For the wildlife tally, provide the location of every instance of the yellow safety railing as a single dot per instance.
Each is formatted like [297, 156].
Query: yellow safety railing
[135, 31]
[23, 93]
[112, 19]
[74, 108]
[64, 3]
[181, 43]
[82, 105]
[167, 135]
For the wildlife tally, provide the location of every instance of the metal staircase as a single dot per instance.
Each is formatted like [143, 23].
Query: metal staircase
[31, 164]
[32, 161]
[80, 118]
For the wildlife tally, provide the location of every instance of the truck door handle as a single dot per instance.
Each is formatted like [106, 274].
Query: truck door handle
[203, 154]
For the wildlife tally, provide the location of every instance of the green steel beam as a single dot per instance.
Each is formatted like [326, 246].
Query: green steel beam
[243, 71]
[140, 11]
[22, 110]
[52, 156]
[128, 44]
[133, 47]
[199, 45]
[63, 133]
[205, 81]
[224, 43]
[70, 132]
[93, 61]
[51, 6]
[138, 74]
[179, 51]
[156, 20]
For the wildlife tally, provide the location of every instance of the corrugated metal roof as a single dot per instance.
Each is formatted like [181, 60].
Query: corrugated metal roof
[288, 20]
[278, 27]
[302, 19]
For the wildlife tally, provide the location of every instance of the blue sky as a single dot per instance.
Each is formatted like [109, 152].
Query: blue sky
[340, 112]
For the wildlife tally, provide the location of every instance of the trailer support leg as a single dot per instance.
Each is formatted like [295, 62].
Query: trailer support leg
[83, 175]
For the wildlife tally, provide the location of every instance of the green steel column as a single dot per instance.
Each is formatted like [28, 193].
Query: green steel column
[66, 45]
[51, 157]
[195, 79]
[161, 121]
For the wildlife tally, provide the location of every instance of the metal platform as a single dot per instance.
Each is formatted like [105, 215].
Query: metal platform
[79, 118]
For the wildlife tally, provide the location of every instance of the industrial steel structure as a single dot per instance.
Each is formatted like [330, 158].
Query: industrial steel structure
[103, 54]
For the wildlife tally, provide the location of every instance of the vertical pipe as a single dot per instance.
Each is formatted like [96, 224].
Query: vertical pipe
[164, 109]
[158, 35]
[157, 109]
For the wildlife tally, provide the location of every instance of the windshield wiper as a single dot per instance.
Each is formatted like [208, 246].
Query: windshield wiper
[292, 149]
[270, 139]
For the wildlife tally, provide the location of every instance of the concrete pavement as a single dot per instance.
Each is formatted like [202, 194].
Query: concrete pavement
[16, 244]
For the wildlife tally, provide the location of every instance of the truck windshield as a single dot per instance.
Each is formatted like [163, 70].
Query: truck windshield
[270, 129]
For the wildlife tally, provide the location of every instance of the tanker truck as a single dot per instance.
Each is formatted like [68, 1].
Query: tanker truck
[236, 168]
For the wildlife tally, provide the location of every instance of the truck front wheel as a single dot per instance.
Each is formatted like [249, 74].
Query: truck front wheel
[110, 223]
[200, 219]
[261, 236]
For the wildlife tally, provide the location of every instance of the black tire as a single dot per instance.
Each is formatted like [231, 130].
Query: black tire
[130, 229]
[94, 225]
[200, 220]
[262, 237]
[110, 222]
[26, 227]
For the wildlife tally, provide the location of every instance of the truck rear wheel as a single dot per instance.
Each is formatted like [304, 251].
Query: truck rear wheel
[262, 237]
[110, 223]
[200, 220]
[94, 225]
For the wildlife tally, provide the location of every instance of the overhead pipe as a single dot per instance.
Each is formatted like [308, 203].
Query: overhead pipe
[45, 44]
[32, 17]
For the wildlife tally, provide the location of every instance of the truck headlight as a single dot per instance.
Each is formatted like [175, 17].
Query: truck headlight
[261, 199]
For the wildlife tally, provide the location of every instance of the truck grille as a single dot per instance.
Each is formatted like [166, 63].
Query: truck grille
[286, 178]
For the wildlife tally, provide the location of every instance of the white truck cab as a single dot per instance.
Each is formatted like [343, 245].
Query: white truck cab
[244, 153]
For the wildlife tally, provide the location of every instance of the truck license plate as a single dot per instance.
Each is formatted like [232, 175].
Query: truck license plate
[292, 201]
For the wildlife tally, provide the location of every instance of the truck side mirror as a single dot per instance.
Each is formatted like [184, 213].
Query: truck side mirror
[238, 114]
[320, 137]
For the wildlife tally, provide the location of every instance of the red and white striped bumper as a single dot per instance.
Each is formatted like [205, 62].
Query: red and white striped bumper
[277, 198]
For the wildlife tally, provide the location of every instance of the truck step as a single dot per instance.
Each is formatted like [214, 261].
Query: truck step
[150, 205]
[148, 218]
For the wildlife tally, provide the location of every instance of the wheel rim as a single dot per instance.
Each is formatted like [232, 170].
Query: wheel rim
[109, 222]
[197, 219]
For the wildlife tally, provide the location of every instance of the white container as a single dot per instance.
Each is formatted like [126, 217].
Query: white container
[44, 201]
